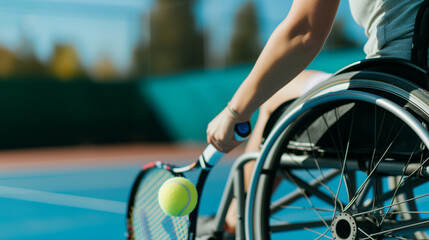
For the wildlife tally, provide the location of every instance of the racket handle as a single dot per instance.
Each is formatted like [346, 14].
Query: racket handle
[211, 155]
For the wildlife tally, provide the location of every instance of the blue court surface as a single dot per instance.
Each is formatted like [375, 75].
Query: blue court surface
[79, 200]
[82, 192]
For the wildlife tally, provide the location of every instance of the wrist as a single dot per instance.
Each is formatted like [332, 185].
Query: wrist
[235, 114]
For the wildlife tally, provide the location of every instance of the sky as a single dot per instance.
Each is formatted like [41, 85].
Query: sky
[111, 28]
[218, 15]
[96, 28]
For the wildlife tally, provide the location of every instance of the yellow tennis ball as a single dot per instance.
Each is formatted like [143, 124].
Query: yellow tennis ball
[177, 196]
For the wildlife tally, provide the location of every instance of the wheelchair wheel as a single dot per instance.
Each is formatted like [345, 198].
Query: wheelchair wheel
[402, 91]
[345, 164]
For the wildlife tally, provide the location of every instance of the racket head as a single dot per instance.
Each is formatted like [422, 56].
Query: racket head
[145, 218]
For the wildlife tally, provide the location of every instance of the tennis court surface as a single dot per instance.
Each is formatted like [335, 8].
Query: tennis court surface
[81, 192]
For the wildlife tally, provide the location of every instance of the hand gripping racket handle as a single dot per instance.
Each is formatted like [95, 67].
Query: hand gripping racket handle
[211, 155]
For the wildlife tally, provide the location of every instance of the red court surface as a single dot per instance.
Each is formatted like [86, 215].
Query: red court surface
[99, 155]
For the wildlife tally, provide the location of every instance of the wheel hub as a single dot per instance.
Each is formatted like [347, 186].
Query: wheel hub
[344, 227]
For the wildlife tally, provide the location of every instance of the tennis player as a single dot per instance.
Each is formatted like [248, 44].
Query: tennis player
[278, 74]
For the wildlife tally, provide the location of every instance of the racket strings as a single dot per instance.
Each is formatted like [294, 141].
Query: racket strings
[148, 219]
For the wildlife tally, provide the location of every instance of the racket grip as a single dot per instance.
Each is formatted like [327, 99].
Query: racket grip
[211, 155]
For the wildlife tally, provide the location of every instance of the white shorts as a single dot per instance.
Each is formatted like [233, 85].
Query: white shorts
[314, 80]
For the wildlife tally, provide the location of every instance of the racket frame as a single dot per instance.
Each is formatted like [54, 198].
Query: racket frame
[205, 162]
[177, 172]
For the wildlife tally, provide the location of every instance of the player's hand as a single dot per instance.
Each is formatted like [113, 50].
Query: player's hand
[220, 131]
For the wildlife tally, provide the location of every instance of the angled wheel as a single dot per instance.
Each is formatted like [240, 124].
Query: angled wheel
[346, 165]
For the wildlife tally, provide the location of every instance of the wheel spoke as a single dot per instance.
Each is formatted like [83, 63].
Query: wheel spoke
[297, 194]
[323, 179]
[285, 226]
[360, 200]
[391, 205]
[321, 234]
[314, 191]
[406, 227]
[370, 175]
[307, 208]
[308, 200]
[364, 233]
[409, 194]
[344, 162]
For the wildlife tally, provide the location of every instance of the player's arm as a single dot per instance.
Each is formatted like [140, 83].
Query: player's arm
[290, 49]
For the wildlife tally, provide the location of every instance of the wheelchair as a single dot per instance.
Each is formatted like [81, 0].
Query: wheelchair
[347, 160]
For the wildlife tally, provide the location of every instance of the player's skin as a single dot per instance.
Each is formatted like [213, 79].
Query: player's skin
[290, 49]
[291, 90]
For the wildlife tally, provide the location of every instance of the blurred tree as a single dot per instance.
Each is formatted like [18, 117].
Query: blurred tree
[31, 66]
[28, 63]
[140, 60]
[65, 63]
[104, 69]
[22, 62]
[175, 43]
[8, 62]
[245, 45]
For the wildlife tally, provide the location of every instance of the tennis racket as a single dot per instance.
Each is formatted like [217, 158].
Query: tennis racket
[145, 218]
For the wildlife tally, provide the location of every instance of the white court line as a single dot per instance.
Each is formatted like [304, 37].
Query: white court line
[63, 199]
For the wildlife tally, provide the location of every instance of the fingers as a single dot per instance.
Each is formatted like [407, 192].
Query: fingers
[221, 143]
[220, 133]
[224, 145]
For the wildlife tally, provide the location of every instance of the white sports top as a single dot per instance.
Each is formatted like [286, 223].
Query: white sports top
[388, 24]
